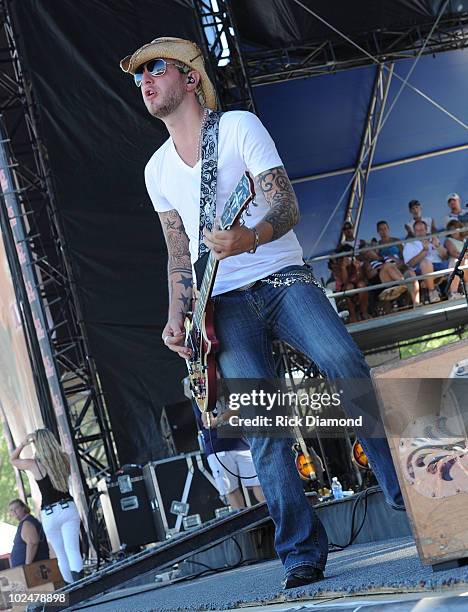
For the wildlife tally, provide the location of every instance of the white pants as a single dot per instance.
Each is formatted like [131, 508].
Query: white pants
[62, 529]
[237, 461]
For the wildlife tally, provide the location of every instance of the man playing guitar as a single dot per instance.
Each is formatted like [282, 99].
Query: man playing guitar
[262, 289]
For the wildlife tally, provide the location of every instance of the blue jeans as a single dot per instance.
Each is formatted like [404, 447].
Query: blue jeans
[301, 315]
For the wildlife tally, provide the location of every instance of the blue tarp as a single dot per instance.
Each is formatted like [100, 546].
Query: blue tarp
[317, 124]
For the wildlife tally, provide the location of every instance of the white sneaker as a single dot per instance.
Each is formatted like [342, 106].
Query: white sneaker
[434, 296]
[456, 296]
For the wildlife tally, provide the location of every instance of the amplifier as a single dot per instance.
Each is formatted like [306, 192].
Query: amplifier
[424, 408]
[178, 487]
[126, 508]
[179, 428]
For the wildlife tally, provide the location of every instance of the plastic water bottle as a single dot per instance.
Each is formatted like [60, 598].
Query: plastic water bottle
[337, 489]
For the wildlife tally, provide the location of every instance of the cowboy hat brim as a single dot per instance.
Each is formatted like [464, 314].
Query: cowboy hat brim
[179, 49]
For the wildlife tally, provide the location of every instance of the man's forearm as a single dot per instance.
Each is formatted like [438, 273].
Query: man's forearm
[31, 550]
[279, 194]
[179, 266]
[417, 258]
[180, 291]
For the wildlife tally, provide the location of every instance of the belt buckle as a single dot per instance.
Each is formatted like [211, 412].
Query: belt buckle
[245, 287]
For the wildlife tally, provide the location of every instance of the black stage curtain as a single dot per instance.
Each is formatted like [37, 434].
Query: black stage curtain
[282, 23]
[99, 137]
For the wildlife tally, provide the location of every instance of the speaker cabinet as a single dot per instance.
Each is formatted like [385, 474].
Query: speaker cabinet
[186, 479]
[424, 401]
[179, 428]
[126, 508]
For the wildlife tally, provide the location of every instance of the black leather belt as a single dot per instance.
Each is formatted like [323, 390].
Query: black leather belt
[63, 503]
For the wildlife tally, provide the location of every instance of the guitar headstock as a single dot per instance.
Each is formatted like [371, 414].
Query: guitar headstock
[238, 201]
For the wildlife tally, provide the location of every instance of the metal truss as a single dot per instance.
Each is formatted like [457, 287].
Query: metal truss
[237, 70]
[221, 45]
[333, 55]
[369, 139]
[87, 415]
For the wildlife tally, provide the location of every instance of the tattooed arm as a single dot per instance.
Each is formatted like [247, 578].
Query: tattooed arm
[179, 274]
[283, 216]
[279, 194]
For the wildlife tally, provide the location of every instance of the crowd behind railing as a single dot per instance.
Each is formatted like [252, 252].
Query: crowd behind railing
[373, 278]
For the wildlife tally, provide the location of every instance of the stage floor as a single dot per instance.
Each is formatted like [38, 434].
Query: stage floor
[381, 575]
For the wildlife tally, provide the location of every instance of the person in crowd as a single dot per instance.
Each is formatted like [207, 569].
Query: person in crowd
[424, 256]
[348, 233]
[347, 273]
[394, 251]
[454, 205]
[416, 211]
[230, 459]
[30, 543]
[454, 246]
[60, 519]
[384, 269]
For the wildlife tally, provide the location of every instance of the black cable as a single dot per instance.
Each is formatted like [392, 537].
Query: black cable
[222, 464]
[364, 494]
[96, 526]
[182, 578]
[211, 569]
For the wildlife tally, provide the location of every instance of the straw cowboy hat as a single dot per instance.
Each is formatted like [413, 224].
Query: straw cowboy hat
[185, 51]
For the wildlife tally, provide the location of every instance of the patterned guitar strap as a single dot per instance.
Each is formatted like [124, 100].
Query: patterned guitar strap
[208, 183]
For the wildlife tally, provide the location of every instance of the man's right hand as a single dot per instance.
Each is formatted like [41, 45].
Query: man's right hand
[173, 336]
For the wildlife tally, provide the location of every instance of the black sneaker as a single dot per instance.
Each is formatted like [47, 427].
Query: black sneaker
[301, 576]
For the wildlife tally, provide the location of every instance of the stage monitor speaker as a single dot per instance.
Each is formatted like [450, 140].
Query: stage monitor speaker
[179, 427]
[181, 484]
[424, 406]
[126, 508]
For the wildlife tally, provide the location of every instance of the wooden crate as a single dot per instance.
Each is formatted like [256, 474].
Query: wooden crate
[35, 574]
[437, 507]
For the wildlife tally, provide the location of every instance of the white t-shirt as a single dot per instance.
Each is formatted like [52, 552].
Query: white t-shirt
[244, 144]
[427, 221]
[411, 249]
[451, 217]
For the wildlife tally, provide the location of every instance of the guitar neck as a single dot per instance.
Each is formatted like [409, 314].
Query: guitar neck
[205, 290]
[301, 441]
[237, 202]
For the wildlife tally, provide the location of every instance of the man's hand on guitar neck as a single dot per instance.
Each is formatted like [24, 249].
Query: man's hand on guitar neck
[173, 337]
[282, 217]
[225, 243]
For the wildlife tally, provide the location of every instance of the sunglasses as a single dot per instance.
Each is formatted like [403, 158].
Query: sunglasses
[156, 67]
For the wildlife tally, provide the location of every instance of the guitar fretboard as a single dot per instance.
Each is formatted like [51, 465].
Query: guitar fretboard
[236, 203]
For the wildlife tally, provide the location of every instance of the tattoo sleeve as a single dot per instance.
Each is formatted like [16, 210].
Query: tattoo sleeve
[179, 267]
[279, 194]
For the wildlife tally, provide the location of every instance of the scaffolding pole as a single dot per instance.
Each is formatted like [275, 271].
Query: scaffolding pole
[368, 144]
[83, 402]
[221, 45]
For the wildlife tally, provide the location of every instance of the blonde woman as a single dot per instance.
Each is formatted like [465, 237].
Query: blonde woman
[60, 519]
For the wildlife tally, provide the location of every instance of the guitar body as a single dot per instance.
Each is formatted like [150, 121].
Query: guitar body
[305, 465]
[202, 365]
[359, 457]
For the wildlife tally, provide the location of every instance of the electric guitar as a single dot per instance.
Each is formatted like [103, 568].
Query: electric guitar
[359, 457]
[200, 334]
[308, 463]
